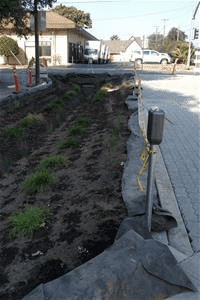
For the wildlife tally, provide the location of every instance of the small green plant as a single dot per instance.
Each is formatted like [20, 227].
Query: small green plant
[83, 121]
[66, 97]
[56, 160]
[13, 132]
[76, 87]
[71, 94]
[99, 96]
[38, 181]
[24, 223]
[25, 123]
[54, 105]
[77, 130]
[70, 142]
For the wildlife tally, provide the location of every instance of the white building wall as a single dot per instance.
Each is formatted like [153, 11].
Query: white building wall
[59, 44]
[125, 56]
[61, 49]
[2, 59]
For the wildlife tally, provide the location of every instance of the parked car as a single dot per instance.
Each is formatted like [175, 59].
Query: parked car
[150, 56]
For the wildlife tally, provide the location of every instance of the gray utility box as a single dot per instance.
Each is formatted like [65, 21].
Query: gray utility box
[155, 126]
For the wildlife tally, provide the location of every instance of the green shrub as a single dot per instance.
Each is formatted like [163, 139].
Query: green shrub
[6, 45]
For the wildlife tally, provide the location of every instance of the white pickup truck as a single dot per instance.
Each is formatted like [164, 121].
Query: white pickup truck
[150, 56]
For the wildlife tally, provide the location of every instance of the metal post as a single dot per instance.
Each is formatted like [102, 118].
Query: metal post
[150, 180]
[154, 136]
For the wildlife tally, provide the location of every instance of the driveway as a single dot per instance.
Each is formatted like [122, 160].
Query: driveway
[179, 97]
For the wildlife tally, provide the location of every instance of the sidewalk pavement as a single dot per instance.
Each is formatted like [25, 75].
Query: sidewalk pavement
[178, 240]
[133, 262]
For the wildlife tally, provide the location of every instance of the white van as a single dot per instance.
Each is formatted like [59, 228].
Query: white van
[150, 56]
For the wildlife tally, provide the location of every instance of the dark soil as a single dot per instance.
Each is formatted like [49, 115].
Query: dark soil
[86, 197]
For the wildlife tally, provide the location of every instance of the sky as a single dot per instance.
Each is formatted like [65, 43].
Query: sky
[127, 18]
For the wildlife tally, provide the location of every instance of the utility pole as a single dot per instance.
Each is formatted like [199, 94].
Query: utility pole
[156, 33]
[178, 34]
[164, 20]
[37, 66]
[193, 18]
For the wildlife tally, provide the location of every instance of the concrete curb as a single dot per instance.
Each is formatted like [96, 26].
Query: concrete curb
[29, 91]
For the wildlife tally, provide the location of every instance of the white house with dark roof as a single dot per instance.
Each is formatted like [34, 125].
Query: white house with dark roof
[61, 43]
[120, 50]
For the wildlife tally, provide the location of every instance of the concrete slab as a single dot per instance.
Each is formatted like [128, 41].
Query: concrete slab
[177, 237]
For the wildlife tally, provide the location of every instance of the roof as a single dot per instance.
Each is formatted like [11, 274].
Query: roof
[86, 34]
[54, 20]
[117, 46]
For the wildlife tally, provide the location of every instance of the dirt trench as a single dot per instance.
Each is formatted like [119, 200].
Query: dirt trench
[85, 196]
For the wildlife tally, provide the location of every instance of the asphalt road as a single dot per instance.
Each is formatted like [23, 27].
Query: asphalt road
[179, 97]
[7, 80]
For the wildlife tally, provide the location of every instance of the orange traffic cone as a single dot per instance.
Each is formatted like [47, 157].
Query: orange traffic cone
[17, 85]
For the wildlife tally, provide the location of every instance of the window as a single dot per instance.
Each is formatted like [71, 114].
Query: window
[154, 53]
[45, 49]
[146, 52]
[90, 51]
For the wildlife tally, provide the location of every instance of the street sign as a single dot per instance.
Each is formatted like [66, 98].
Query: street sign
[41, 21]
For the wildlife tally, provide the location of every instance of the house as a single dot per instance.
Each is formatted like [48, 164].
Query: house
[121, 50]
[61, 43]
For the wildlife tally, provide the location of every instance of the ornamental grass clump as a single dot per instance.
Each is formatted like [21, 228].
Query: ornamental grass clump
[56, 160]
[75, 87]
[38, 181]
[24, 223]
[99, 96]
[70, 142]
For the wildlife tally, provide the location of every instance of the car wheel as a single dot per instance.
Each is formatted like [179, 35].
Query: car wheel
[163, 61]
[138, 61]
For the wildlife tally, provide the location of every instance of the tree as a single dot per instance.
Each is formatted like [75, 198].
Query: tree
[18, 13]
[175, 34]
[114, 37]
[81, 18]
[7, 45]
[156, 41]
[180, 51]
